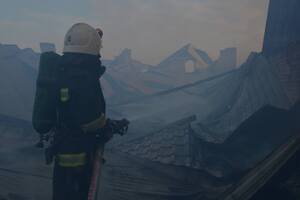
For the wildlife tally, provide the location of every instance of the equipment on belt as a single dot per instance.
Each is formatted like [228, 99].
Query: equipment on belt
[53, 139]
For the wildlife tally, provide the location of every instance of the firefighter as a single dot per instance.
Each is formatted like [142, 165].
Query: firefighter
[82, 111]
[69, 101]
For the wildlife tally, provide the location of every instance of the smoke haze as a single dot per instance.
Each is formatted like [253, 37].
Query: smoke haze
[153, 29]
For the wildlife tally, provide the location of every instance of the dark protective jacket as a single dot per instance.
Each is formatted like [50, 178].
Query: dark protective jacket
[70, 83]
[82, 106]
[81, 75]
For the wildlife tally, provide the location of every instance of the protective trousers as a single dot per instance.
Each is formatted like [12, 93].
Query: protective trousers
[71, 183]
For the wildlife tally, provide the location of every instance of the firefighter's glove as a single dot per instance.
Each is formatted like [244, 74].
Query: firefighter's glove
[120, 127]
[112, 127]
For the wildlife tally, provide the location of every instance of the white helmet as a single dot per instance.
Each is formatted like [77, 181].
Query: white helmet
[83, 38]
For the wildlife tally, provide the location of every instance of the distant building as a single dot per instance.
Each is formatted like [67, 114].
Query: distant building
[47, 47]
[227, 59]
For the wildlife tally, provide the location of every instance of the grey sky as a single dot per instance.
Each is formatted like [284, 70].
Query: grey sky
[153, 29]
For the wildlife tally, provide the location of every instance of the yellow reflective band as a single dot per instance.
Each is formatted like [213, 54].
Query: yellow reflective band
[95, 125]
[71, 160]
[64, 94]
